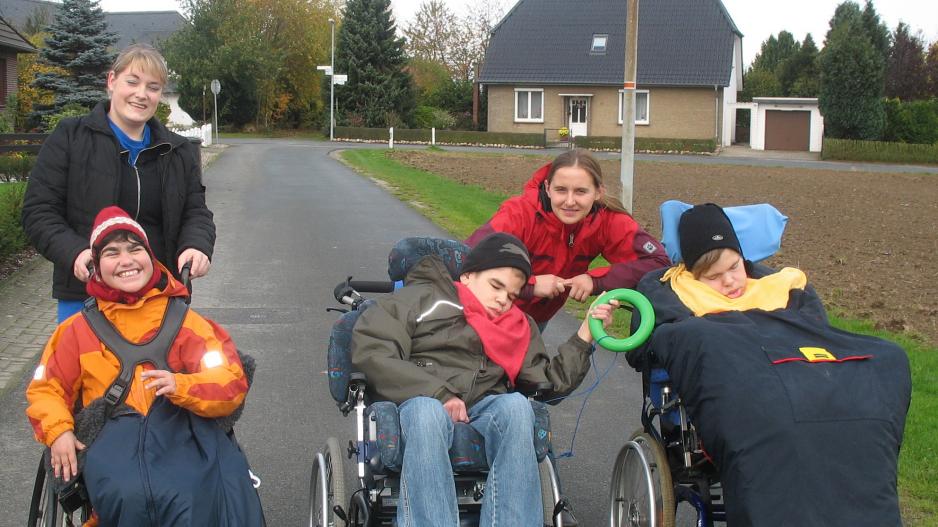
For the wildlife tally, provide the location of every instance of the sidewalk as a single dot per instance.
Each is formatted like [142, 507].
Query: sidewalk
[27, 319]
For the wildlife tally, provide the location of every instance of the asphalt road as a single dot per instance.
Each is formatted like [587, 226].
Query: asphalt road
[292, 223]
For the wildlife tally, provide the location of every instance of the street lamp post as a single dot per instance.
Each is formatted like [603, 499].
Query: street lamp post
[332, 85]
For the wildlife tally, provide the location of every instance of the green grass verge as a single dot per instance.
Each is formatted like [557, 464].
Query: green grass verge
[918, 461]
[460, 209]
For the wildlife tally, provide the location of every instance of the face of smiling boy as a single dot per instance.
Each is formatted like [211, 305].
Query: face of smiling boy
[125, 265]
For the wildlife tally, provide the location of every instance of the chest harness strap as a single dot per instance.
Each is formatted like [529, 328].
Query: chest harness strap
[129, 354]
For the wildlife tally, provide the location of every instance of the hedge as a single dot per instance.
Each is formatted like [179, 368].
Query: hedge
[12, 237]
[16, 166]
[851, 150]
[647, 144]
[450, 137]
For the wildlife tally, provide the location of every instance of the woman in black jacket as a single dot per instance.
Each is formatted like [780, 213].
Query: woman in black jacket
[119, 154]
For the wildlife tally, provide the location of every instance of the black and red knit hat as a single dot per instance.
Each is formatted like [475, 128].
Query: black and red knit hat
[112, 219]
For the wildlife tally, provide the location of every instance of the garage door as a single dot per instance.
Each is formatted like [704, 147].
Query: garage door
[787, 130]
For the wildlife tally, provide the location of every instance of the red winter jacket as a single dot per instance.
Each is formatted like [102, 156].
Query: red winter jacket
[567, 250]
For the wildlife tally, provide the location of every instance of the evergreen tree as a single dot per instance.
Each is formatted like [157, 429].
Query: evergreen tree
[906, 78]
[851, 83]
[800, 76]
[77, 46]
[379, 91]
[931, 67]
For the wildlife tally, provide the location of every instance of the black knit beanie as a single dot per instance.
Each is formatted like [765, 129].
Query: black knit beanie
[498, 250]
[703, 228]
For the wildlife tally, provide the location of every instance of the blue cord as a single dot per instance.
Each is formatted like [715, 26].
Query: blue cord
[586, 395]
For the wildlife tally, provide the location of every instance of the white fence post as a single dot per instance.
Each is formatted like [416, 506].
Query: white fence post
[206, 132]
[433, 136]
[391, 138]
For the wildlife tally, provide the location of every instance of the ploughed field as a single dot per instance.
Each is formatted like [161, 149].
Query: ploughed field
[867, 241]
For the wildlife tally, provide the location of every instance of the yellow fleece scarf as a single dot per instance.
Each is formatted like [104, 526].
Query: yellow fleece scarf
[766, 293]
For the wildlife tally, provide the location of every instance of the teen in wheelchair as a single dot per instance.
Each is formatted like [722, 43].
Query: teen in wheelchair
[450, 440]
[766, 415]
[158, 387]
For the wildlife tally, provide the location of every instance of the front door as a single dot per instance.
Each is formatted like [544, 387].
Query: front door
[579, 111]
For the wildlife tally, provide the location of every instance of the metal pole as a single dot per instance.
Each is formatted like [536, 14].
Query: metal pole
[628, 104]
[332, 86]
[215, 112]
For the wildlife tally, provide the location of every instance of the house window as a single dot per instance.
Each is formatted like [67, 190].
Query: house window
[599, 44]
[641, 106]
[529, 105]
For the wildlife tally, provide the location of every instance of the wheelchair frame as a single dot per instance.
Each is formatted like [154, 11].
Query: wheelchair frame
[374, 502]
[663, 463]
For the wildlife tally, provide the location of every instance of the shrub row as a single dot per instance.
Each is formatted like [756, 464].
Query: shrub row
[450, 137]
[851, 150]
[12, 237]
[647, 144]
[16, 166]
[911, 121]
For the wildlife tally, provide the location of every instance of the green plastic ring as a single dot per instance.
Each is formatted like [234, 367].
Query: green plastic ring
[636, 300]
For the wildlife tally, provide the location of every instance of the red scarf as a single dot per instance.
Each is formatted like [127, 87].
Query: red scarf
[505, 338]
[98, 289]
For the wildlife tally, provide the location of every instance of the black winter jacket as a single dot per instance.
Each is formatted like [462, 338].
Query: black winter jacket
[81, 169]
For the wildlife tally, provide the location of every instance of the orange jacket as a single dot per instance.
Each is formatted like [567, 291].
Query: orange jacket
[209, 378]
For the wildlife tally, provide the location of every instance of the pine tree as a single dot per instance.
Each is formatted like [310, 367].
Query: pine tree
[77, 45]
[379, 91]
[851, 84]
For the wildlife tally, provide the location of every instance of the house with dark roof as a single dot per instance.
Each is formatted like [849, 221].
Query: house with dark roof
[552, 64]
[12, 43]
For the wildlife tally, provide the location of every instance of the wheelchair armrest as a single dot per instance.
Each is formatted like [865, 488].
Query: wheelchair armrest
[533, 389]
[356, 378]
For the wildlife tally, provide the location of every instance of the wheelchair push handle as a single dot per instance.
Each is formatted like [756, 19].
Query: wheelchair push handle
[639, 302]
[347, 291]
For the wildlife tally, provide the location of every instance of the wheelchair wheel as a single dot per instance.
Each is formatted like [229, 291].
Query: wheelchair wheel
[43, 505]
[642, 494]
[326, 486]
[550, 492]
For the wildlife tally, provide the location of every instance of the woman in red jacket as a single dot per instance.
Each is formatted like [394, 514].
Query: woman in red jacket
[566, 219]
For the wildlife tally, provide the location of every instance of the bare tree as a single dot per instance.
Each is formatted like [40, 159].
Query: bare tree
[431, 33]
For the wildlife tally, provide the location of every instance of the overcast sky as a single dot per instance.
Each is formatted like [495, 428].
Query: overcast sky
[757, 19]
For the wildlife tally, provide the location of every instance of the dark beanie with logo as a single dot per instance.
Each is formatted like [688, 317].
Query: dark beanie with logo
[498, 250]
[703, 228]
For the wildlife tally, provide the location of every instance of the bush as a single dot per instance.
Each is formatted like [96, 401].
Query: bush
[647, 144]
[12, 237]
[69, 110]
[878, 151]
[430, 117]
[162, 112]
[16, 166]
[911, 122]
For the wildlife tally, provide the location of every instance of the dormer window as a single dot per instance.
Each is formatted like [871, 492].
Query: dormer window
[599, 44]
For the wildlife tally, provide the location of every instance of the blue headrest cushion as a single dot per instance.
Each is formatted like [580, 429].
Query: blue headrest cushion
[409, 251]
[758, 227]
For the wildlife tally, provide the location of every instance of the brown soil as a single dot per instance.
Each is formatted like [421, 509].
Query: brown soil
[867, 241]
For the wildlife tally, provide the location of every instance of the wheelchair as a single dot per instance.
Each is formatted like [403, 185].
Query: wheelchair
[55, 503]
[374, 451]
[664, 463]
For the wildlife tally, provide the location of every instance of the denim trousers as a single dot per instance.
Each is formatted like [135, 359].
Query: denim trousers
[512, 495]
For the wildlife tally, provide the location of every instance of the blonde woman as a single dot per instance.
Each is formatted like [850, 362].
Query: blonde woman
[119, 154]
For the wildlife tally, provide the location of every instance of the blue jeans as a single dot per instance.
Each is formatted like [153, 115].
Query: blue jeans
[512, 489]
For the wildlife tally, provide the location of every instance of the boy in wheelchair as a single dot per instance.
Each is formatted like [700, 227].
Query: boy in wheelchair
[149, 450]
[448, 352]
[803, 421]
